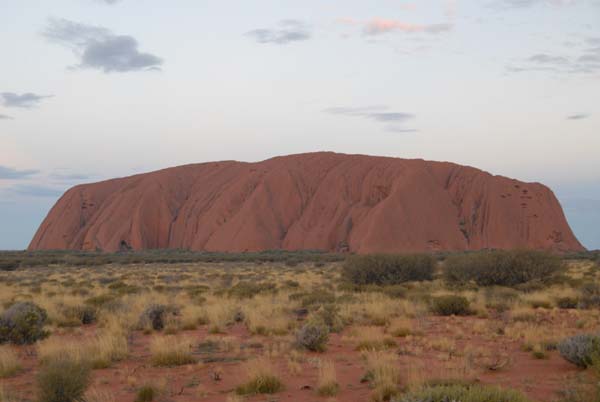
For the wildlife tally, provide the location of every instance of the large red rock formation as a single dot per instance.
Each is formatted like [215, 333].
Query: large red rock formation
[323, 201]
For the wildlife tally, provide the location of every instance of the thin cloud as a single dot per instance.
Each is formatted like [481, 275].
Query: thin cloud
[8, 173]
[380, 26]
[578, 117]
[34, 190]
[25, 101]
[70, 177]
[99, 48]
[548, 59]
[531, 3]
[288, 31]
[379, 114]
[587, 62]
[5, 117]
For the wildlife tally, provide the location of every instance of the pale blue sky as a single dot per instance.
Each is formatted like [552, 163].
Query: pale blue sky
[92, 89]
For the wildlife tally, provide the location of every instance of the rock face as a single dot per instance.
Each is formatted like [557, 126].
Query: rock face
[322, 201]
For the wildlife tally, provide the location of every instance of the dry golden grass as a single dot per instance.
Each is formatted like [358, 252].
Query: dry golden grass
[372, 338]
[169, 351]
[96, 395]
[265, 316]
[260, 378]
[327, 384]
[9, 362]
[383, 373]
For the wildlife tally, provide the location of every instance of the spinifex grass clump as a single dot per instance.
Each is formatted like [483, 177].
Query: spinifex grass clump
[261, 378]
[170, 351]
[63, 379]
[388, 269]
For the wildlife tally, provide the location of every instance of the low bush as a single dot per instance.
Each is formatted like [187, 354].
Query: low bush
[463, 393]
[502, 268]
[313, 336]
[388, 269]
[582, 350]
[450, 305]
[156, 316]
[23, 323]
[63, 380]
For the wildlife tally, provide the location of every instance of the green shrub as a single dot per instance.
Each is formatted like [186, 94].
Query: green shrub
[63, 380]
[388, 269]
[450, 305]
[463, 393]
[502, 268]
[582, 350]
[23, 323]
[313, 336]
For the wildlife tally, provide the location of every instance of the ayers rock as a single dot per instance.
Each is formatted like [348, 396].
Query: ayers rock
[323, 200]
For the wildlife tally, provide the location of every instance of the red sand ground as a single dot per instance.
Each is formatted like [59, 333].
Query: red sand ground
[322, 201]
[539, 379]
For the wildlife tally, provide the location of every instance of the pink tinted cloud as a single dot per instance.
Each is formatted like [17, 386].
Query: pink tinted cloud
[378, 26]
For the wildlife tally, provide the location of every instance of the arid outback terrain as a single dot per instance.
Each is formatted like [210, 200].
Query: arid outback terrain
[169, 326]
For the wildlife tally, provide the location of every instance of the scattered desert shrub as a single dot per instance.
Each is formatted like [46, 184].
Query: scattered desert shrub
[63, 380]
[582, 350]
[590, 295]
[313, 336]
[23, 323]
[327, 385]
[261, 378]
[169, 351]
[450, 305]
[501, 268]
[388, 269]
[157, 316]
[9, 362]
[463, 393]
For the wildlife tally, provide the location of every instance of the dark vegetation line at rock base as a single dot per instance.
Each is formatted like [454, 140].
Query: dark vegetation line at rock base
[10, 260]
